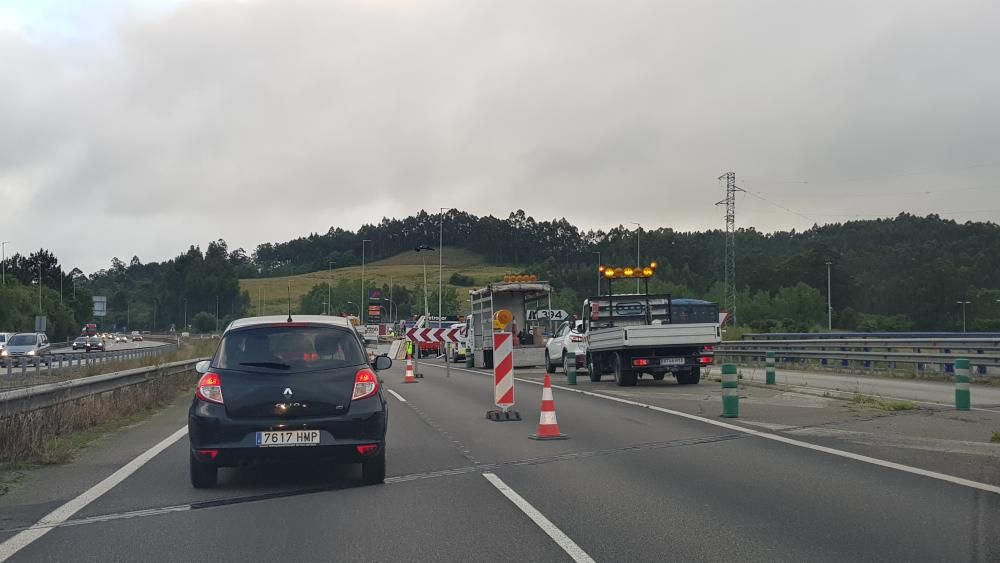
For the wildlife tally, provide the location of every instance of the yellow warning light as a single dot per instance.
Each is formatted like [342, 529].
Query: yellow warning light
[628, 272]
[503, 316]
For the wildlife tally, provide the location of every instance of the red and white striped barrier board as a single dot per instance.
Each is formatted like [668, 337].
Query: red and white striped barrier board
[503, 369]
[435, 334]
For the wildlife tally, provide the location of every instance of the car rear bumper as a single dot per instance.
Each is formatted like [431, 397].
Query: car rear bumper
[234, 440]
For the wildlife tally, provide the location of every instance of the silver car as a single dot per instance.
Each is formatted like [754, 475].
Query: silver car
[26, 348]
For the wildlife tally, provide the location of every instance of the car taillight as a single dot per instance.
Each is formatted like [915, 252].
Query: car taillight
[705, 359]
[576, 338]
[210, 388]
[365, 384]
[640, 362]
[707, 349]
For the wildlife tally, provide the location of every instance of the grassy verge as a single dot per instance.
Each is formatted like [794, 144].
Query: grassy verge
[881, 404]
[996, 438]
[56, 434]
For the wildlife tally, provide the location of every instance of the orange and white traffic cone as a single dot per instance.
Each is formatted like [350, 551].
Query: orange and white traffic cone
[548, 427]
[409, 372]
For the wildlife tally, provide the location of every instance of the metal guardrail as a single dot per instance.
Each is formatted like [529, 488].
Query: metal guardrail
[919, 355]
[19, 401]
[758, 336]
[915, 345]
[22, 367]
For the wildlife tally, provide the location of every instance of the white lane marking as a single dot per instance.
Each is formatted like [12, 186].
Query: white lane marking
[767, 436]
[397, 395]
[58, 516]
[857, 457]
[557, 535]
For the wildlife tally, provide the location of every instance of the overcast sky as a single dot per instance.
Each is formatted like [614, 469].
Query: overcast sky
[140, 127]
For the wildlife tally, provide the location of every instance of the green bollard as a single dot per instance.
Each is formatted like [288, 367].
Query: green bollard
[963, 396]
[769, 368]
[730, 391]
[469, 359]
[570, 368]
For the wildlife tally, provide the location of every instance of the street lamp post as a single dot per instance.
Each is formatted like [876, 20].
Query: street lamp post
[598, 272]
[638, 230]
[329, 288]
[39, 266]
[963, 304]
[829, 299]
[419, 249]
[440, 257]
[393, 307]
[364, 291]
[3, 262]
[325, 310]
[185, 314]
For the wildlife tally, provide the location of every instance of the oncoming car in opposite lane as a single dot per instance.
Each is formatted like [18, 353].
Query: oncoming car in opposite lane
[283, 389]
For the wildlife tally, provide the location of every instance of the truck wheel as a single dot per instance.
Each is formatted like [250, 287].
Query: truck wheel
[623, 377]
[689, 377]
[592, 369]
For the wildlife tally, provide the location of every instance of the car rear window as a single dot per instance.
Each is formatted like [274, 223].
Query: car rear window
[284, 349]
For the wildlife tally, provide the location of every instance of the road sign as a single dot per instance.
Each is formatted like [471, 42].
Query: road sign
[40, 323]
[371, 332]
[100, 305]
[547, 315]
[435, 334]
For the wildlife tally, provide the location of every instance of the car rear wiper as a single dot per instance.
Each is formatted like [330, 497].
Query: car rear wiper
[274, 365]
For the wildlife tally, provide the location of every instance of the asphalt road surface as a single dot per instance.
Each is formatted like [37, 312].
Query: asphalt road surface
[630, 484]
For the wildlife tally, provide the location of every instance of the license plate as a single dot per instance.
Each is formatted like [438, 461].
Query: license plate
[671, 361]
[271, 439]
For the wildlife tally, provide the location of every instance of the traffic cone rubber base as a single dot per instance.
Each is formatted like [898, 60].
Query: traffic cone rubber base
[498, 415]
[555, 437]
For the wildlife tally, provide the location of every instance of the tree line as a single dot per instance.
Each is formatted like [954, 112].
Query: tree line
[901, 273]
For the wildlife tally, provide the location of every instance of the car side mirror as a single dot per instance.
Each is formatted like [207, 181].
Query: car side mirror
[382, 362]
[203, 366]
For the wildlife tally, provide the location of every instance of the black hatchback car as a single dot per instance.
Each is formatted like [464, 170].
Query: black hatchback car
[282, 389]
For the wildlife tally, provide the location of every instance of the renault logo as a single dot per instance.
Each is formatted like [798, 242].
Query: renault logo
[288, 393]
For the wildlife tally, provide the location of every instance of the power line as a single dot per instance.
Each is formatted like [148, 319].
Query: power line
[887, 176]
[778, 205]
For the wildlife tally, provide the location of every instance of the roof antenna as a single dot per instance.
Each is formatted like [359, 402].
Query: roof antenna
[288, 290]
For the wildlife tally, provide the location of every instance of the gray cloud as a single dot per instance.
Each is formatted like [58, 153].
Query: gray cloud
[260, 121]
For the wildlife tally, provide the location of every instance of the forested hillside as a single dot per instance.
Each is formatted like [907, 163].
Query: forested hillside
[888, 274]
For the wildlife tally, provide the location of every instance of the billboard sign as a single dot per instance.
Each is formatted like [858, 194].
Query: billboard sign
[100, 306]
